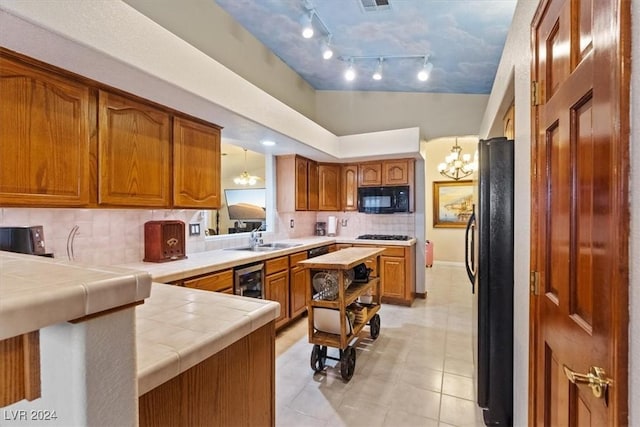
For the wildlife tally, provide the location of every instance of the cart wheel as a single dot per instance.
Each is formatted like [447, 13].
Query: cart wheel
[348, 363]
[318, 357]
[374, 326]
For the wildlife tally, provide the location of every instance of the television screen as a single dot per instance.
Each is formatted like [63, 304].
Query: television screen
[246, 204]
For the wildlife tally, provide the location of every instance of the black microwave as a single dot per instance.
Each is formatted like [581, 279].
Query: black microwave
[383, 200]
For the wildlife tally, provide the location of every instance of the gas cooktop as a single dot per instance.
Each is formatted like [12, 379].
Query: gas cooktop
[383, 237]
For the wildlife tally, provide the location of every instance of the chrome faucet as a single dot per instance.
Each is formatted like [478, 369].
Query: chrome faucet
[255, 237]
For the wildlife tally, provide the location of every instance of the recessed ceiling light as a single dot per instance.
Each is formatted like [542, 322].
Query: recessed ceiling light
[268, 143]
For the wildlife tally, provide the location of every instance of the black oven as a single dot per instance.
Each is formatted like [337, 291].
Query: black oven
[382, 200]
[249, 281]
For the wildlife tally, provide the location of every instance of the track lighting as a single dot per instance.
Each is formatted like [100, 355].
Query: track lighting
[327, 52]
[307, 24]
[350, 73]
[377, 75]
[425, 72]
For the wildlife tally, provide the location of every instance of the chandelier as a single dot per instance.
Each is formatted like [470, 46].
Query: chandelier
[244, 178]
[456, 165]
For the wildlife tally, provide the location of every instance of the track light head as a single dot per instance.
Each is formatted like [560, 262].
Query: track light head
[307, 24]
[350, 73]
[327, 52]
[377, 75]
[425, 72]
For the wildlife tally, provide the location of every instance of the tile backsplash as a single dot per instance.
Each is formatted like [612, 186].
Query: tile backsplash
[116, 236]
[104, 236]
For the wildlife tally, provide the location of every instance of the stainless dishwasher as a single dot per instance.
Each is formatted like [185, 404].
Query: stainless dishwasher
[249, 281]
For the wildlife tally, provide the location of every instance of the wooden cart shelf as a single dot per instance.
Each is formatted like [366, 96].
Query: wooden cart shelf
[339, 261]
[333, 340]
[351, 294]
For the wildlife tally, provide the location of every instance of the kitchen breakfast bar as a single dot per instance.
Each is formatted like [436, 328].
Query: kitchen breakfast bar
[116, 345]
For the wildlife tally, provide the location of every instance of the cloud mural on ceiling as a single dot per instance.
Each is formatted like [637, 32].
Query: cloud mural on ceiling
[464, 39]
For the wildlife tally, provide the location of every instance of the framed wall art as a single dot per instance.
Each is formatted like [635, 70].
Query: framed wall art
[452, 203]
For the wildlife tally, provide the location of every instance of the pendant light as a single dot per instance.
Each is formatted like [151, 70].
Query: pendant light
[457, 165]
[244, 178]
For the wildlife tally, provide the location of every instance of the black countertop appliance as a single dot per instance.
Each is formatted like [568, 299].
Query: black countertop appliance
[24, 240]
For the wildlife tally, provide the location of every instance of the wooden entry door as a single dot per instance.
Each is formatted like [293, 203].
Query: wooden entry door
[580, 223]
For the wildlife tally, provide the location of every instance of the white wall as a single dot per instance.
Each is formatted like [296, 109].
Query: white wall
[437, 114]
[208, 27]
[88, 375]
[405, 143]
[448, 243]
[513, 78]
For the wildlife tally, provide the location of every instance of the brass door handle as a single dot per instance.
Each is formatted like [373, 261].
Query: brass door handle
[596, 379]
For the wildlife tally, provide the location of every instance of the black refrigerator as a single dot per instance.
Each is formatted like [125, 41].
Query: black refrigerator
[489, 263]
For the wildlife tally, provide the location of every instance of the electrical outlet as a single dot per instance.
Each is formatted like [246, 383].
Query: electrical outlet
[291, 223]
[194, 229]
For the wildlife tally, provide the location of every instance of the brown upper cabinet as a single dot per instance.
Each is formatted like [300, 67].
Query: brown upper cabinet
[134, 143]
[68, 141]
[397, 172]
[350, 187]
[329, 187]
[45, 145]
[196, 164]
[369, 174]
[297, 182]
[386, 172]
[313, 190]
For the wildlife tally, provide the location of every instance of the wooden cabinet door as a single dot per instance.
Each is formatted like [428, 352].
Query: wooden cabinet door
[277, 289]
[216, 282]
[392, 274]
[350, 187]
[370, 174]
[329, 187]
[134, 153]
[299, 286]
[300, 290]
[313, 191]
[395, 172]
[302, 184]
[44, 138]
[196, 165]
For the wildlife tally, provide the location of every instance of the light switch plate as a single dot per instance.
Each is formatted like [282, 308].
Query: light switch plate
[194, 229]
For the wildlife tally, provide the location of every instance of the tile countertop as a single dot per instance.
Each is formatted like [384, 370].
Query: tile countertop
[222, 259]
[36, 292]
[177, 328]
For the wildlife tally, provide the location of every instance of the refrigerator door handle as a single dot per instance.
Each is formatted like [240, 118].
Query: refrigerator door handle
[469, 255]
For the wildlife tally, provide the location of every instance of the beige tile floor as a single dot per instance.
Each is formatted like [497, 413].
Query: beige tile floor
[417, 373]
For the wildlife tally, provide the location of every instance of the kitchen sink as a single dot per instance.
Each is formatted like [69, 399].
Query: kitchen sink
[265, 247]
[279, 245]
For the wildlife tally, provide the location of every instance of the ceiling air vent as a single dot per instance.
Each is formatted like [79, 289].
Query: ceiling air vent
[374, 5]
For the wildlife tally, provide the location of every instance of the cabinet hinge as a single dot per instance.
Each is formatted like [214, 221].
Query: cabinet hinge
[534, 283]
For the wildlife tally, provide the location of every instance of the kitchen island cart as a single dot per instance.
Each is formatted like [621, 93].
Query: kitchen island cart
[329, 323]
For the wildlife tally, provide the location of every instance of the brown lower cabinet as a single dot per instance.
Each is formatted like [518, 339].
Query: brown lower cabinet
[234, 387]
[217, 282]
[20, 368]
[396, 271]
[300, 290]
[276, 285]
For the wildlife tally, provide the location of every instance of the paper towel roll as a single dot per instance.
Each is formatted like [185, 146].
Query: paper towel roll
[331, 226]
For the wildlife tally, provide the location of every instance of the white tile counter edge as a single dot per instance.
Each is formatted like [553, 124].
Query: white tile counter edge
[36, 292]
[178, 327]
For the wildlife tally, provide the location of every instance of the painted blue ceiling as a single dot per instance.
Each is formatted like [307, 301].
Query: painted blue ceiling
[463, 38]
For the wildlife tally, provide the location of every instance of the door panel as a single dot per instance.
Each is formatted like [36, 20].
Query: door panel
[579, 219]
